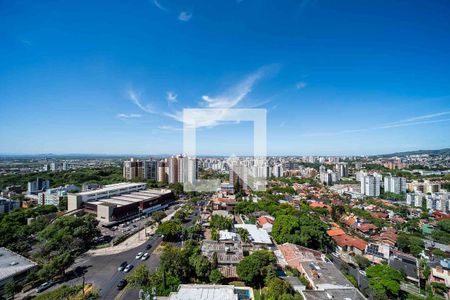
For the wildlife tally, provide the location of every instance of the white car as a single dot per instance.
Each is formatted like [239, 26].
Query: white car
[128, 268]
[139, 255]
[145, 256]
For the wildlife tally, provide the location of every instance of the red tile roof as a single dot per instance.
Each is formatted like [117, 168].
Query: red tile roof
[366, 227]
[334, 232]
[265, 219]
[350, 241]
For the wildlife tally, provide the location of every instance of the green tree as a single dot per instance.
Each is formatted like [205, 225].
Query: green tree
[140, 277]
[215, 276]
[253, 268]
[243, 233]
[157, 216]
[220, 222]
[384, 280]
[439, 253]
[277, 287]
[304, 229]
[9, 289]
[362, 261]
[170, 229]
[201, 265]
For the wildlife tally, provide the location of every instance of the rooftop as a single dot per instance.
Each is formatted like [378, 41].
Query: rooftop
[347, 294]
[351, 241]
[135, 197]
[111, 187]
[322, 273]
[12, 263]
[206, 292]
[257, 235]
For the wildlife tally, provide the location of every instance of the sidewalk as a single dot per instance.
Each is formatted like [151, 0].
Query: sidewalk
[132, 242]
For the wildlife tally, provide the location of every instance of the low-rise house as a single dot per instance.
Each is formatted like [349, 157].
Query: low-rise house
[406, 264]
[349, 244]
[441, 272]
[258, 236]
[367, 229]
[266, 223]
[377, 253]
[387, 236]
[224, 203]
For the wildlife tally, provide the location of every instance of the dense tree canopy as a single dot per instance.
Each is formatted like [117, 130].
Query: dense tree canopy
[170, 229]
[305, 230]
[384, 281]
[253, 268]
[15, 234]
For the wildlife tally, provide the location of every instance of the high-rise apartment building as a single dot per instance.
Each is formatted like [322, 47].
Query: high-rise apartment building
[162, 171]
[370, 185]
[342, 169]
[140, 169]
[173, 169]
[394, 184]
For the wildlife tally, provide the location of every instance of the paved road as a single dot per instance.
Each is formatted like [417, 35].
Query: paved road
[133, 293]
[102, 271]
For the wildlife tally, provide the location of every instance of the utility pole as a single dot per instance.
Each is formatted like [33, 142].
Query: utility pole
[83, 284]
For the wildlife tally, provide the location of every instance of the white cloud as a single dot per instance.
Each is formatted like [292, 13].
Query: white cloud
[128, 116]
[300, 85]
[170, 128]
[135, 97]
[236, 94]
[223, 102]
[419, 120]
[423, 117]
[171, 96]
[159, 5]
[184, 16]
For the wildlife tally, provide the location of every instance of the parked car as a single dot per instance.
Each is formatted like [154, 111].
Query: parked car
[139, 255]
[122, 266]
[149, 246]
[362, 272]
[122, 284]
[145, 256]
[44, 286]
[128, 268]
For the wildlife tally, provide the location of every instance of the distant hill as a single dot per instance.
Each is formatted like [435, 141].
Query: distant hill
[445, 151]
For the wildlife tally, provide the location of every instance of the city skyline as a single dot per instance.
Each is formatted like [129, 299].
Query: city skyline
[336, 78]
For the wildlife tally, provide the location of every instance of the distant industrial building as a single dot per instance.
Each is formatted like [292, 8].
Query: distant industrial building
[13, 268]
[119, 202]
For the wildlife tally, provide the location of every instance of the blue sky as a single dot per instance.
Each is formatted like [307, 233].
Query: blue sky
[336, 77]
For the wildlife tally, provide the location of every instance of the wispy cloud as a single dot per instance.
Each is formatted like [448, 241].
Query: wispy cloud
[128, 116]
[300, 85]
[159, 5]
[424, 117]
[235, 94]
[170, 128]
[223, 102]
[135, 97]
[414, 121]
[184, 16]
[171, 96]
